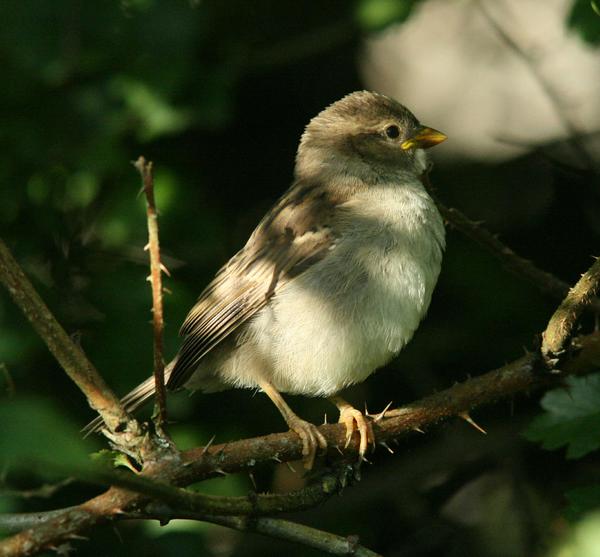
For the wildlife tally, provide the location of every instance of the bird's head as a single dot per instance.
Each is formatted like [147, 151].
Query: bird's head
[366, 135]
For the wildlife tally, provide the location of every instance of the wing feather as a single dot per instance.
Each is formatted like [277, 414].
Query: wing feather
[295, 234]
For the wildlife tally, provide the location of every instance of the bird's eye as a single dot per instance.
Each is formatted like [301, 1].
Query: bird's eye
[392, 131]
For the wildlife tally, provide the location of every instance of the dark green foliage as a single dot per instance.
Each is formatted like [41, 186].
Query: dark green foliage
[571, 419]
[36, 434]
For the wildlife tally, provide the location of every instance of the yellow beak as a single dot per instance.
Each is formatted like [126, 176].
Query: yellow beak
[424, 138]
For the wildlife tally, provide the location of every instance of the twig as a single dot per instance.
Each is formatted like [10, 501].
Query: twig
[272, 527]
[44, 491]
[256, 504]
[16, 522]
[299, 533]
[145, 169]
[69, 355]
[561, 326]
[198, 464]
[574, 138]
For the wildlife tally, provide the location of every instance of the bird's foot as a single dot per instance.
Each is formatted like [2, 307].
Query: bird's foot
[355, 420]
[312, 439]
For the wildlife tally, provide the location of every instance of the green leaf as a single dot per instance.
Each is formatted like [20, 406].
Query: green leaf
[571, 417]
[582, 500]
[584, 18]
[154, 114]
[112, 459]
[375, 15]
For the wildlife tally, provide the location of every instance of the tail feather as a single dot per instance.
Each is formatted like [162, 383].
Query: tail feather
[130, 402]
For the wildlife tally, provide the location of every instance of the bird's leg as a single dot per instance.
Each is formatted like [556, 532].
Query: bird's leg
[312, 439]
[354, 419]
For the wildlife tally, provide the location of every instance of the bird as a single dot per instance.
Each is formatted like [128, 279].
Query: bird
[334, 280]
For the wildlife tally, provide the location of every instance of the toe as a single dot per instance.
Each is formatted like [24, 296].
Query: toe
[321, 439]
[312, 440]
[353, 419]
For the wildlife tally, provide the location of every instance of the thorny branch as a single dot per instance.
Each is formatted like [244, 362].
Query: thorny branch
[251, 505]
[130, 493]
[156, 267]
[197, 464]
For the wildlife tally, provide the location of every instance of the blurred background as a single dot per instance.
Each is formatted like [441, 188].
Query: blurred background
[217, 95]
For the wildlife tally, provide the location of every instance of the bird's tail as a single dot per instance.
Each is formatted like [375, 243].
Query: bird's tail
[131, 401]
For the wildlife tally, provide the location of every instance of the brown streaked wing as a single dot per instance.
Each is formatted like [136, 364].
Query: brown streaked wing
[294, 235]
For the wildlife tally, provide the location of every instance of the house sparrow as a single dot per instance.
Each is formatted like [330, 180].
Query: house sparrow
[334, 280]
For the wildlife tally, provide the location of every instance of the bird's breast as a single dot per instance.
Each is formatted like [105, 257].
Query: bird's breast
[353, 311]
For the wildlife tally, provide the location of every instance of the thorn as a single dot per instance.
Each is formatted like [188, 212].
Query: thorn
[325, 419]
[220, 471]
[353, 542]
[167, 290]
[149, 278]
[386, 446]
[339, 450]
[206, 447]
[221, 455]
[290, 467]
[366, 409]
[276, 459]
[418, 430]
[251, 476]
[147, 246]
[77, 537]
[381, 415]
[165, 270]
[465, 416]
[364, 459]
